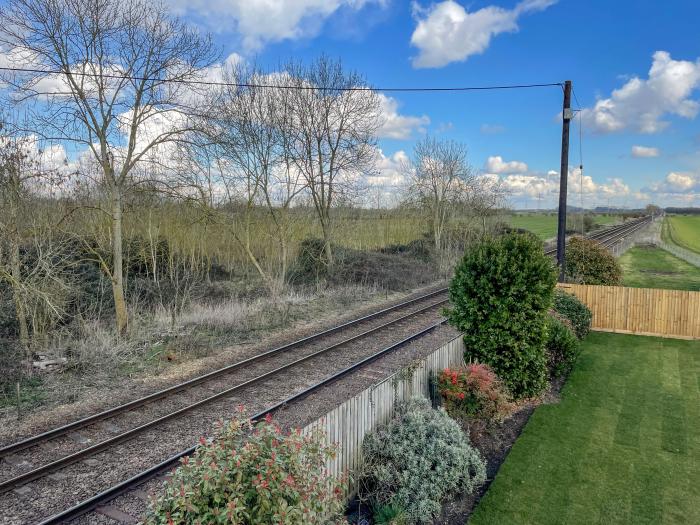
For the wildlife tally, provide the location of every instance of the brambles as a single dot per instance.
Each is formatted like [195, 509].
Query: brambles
[577, 313]
[588, 262]
[562, 348]
[474, 392]
[252, 474]
[500, 295]
[416, 460]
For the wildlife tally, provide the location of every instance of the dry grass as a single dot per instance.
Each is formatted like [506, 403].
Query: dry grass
[105, 370]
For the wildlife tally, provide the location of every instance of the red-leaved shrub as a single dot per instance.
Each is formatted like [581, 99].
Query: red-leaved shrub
[252, 474]
[474, 392]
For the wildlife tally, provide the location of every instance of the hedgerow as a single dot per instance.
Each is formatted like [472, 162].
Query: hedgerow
[577, 313]
[588, 262]
[563, 348]
[415, 461]
[500, 295]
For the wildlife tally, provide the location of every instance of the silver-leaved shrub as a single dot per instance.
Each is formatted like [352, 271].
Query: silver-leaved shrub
[418, 459]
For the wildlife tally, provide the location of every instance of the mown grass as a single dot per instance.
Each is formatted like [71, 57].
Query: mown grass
[621, 447]
[683, 230]
[545, 225]
[651, 267]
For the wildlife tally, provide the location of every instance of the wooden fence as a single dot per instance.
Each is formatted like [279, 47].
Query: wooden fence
[348, 423]
[645, 311]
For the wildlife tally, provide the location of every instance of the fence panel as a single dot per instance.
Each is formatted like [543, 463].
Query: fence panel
[349, 422]
[647, 311]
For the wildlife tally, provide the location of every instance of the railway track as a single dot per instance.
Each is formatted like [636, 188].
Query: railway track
[82, 453]
[78, 453]
[608, 237]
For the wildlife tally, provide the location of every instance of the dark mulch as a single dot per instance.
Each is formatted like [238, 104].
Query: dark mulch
[494, 443]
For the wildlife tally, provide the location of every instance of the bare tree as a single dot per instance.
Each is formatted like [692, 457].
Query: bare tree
[487, 199]
[334, 131]
[440, 179]
[31, 262]
[252, 132]
[120, 89]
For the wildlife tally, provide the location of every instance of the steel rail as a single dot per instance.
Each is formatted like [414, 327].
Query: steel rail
[166, 392]
[70, 459]
[109, 494]
[602, 235]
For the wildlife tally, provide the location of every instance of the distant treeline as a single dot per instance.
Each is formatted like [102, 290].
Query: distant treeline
[684, 211]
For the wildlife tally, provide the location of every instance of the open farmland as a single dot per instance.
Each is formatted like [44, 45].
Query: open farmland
[544, 225]
[683, 230]
[651, 267]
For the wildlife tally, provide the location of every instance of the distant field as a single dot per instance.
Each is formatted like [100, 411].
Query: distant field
[545, 226]
[683, 230]
[650, 267]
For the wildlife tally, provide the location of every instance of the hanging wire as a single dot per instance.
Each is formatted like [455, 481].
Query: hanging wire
[275, 86]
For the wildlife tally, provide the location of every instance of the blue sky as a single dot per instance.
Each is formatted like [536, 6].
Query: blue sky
[601, 46]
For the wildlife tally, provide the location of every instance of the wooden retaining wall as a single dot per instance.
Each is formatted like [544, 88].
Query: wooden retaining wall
[348, 423]
[644, 311]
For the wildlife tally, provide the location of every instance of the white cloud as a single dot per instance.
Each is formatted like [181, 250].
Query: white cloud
[395, 125]
[446, 32]
[264, 21]
[642, 152]
[676, 182]
[541, 186]
[676, 188]
[385, 185]
[496, 164]
[491, 129]
[641, 104]
[390, 170]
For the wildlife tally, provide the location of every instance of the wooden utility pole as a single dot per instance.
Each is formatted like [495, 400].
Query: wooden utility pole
[563, 175]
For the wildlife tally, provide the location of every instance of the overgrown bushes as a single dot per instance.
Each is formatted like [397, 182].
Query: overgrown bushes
[500, 295]
[474, 392]
[252, 475]
[577, 313]
[562, 348]
[396, 268]
[415, 461]
[588, 262]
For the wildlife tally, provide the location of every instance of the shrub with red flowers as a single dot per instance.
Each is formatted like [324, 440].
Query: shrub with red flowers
[474, 392]
[252, 474]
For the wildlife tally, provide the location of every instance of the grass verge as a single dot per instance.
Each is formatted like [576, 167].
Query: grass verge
[622, 446]
[683, 230]
[651, 267]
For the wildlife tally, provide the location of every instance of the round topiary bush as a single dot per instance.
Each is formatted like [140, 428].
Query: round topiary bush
[588, 262]
[415, 461]
[500, 295]
[251, 474]
[578, 314]
[563, 348]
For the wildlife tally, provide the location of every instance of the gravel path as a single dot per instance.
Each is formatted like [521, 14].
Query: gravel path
[76, 482]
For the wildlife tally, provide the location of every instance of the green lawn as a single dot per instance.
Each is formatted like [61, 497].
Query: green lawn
[622, 446]
[545, 225]
[650, 267]
[683, 230]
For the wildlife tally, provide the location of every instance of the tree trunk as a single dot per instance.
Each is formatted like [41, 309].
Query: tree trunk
[16, 269]
[437, 228]
[120, 311]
